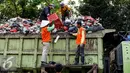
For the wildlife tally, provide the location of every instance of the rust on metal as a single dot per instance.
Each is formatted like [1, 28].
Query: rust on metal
[93, 69]
[91, 45]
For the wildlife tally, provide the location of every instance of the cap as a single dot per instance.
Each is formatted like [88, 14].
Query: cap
[62, 4]
[52, 5]
[79, 22]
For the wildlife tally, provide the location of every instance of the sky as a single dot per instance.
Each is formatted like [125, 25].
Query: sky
[66, 1]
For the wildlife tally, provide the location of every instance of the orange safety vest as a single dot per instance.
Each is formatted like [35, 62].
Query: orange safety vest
[79, 36]
[46, 35]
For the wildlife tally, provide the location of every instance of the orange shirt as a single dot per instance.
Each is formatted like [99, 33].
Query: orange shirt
[46, 35]
[80, 36]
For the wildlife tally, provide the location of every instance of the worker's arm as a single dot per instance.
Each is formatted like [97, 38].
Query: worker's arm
[83, 37]
[74, 34]
[51, 28]
[47, 11]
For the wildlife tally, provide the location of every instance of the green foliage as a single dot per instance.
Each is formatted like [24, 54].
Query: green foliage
[1, 1]
[24, 8]
[115, 14]
[57, 5]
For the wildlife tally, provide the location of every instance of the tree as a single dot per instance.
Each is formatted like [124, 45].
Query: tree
[24, 8]
[115, 14]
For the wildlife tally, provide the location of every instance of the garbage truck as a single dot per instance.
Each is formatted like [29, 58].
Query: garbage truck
[21, 54]
[120, 58]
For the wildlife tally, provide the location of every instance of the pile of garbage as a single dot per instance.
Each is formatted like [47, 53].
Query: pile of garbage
[20, 25]
[89, 23]
[28, 26]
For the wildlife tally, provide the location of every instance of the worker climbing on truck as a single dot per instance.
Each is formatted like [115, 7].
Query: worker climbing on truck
[64, 10]
[80, 41]
[46, 39]
[46, 12]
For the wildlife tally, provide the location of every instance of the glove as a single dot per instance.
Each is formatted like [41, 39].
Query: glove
[51, 23]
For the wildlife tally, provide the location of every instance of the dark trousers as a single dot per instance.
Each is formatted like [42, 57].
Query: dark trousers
[80, 52]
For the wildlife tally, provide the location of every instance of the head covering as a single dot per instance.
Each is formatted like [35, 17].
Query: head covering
[52, 5]
[61, 4]
[79, 22]
[58, 67]
[44, 23]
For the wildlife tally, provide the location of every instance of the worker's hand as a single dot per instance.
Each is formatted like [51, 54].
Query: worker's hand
[48, 14]
[74, 34]
[51, 23]
[71, 33]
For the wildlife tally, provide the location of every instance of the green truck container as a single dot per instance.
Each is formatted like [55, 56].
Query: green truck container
[120, 57]
[20, 51]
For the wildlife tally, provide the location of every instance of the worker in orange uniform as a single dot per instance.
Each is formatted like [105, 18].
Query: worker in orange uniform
[80, 41]
[46, 39]
[64, 9]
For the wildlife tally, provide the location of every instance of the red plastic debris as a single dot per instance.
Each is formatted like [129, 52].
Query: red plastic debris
[54, 17]
[13, 30]
[5, 25]
[89, 20]
[65, 28]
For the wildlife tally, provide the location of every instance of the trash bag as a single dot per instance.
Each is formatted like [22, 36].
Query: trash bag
[73, 29]
[15, 25]
[25, 31]
[95, 28]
